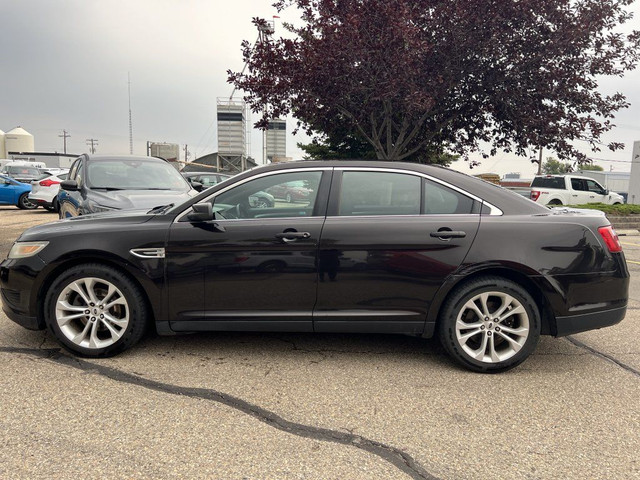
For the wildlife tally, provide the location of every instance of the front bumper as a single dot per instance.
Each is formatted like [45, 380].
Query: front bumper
[16, 291]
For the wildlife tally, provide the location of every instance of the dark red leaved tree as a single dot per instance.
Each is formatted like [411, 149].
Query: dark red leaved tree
[410, 76]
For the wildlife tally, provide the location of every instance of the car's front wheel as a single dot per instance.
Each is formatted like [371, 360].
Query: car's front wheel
[489, 324]
[95, 311]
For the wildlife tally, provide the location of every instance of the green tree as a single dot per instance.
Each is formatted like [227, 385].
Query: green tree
[353, 147]
[592, 167]
[554, 166]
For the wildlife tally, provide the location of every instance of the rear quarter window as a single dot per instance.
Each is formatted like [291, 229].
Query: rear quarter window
[549, 182]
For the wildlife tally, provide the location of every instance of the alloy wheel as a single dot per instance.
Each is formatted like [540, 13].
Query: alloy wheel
[92, 313]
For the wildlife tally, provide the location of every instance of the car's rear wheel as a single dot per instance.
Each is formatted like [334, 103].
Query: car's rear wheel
[95, 311]
[26, 204]
[490, 324]
[555, 202]
[55, 205]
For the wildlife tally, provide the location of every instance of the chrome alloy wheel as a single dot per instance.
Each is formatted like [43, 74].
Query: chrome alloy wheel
[92, 313]
[492, 327]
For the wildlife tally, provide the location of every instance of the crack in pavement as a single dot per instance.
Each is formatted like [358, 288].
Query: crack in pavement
[396, 457]
[605, 356]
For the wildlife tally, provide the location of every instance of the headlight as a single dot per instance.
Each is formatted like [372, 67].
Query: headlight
[97, 208]
[26, 249]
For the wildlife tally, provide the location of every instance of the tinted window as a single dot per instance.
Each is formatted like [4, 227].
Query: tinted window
[594, 186]
[549, 182]
[15, 170]
[256, 199]
[379, 193]
[577, 184]
[441, 200]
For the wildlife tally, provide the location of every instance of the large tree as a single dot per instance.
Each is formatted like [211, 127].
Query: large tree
[415, 76]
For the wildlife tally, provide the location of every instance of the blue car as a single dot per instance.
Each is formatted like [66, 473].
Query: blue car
[15, 193]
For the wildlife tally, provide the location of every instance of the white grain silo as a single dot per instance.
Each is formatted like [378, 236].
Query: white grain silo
[3, 151]
[18, 140]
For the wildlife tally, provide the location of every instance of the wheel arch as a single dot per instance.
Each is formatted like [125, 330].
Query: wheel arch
[534, 289]
[87, 258]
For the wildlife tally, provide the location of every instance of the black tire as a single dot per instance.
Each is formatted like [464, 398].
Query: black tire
[126, 318]
[55, 205]
[555, 203]
[24, 203]
[49, 208]
[489, 334]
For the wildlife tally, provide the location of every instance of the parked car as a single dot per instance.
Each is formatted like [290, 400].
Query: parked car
[205, 179]
[21, 173]
[571, 190]
[105, 183]
[15, 193]
[388, 247]
[295, 191]
[44, 190]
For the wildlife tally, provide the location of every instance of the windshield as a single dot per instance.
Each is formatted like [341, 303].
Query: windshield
[134, 175]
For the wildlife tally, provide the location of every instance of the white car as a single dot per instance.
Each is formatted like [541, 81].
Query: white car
[44, 190]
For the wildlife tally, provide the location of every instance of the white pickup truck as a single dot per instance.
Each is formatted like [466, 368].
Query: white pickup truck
[570, 190]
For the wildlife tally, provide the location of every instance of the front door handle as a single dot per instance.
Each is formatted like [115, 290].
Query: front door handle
[292, 236]
[445, 234]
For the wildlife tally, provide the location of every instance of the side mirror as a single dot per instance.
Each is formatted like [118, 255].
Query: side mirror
[69, 185]
[202, 212]
[197, 186]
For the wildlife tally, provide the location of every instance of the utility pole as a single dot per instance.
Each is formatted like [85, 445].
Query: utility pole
[186, 153]
[93, 142]
[64, 135]
[130, 123]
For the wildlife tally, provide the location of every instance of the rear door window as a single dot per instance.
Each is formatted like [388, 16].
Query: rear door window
[379, 193]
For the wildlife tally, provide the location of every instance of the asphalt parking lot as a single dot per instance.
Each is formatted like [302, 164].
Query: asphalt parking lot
[301, 406]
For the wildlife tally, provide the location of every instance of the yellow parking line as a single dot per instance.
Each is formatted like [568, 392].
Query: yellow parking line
[632, 244]
[631, 261]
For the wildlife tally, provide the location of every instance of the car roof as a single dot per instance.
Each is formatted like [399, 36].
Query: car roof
[123, 158]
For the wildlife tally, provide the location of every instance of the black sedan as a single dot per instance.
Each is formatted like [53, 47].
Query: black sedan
[104, 183]
[376, 247]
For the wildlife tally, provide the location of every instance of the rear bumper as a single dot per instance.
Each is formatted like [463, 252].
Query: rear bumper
[589, 321]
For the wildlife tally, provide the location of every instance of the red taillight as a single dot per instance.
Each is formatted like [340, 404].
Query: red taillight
[610, 237]
[48, 182]
[535, 194]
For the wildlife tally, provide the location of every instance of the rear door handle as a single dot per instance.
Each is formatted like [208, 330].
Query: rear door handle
[292, 236]
[442, 234]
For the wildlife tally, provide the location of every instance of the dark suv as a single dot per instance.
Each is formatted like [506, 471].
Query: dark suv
[107, 183]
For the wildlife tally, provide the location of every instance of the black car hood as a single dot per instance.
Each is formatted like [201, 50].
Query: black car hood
[142, 199]
[87, 223]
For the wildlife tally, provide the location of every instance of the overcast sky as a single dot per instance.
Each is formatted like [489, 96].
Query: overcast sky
[64, 65]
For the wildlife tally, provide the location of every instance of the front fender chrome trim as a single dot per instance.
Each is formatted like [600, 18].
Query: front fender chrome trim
[147, 252]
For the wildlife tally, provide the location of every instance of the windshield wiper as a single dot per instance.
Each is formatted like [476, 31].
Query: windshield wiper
[108, 189]
[161, 208]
